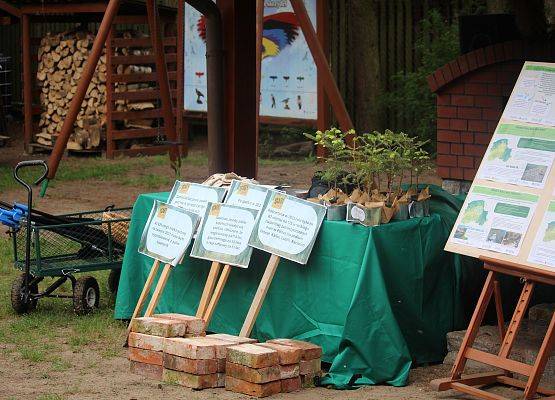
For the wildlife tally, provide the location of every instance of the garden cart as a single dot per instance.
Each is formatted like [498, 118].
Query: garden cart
[60, 246]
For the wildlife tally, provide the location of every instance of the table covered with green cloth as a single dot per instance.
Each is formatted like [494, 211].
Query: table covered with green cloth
[376, 299]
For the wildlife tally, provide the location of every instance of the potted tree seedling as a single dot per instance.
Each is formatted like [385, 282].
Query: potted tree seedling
[421, 164]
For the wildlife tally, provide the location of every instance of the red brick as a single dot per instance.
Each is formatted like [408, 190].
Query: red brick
[231, 338]
[309, 350]
[466, 161]
[147, 370]
[147, 342]
[190, 380]
[475, 88]
[194, 325]
[442, 123]
[484, 75]
[440, 79]
[309, 381]
[467, 137]
[443, 99]
[291, 385]
[477, 162]
[289, 371]
[195, 348]
[443, 148]
[474, 150]
[480, 57]
[444, 135]
[492, 125]
[158, 327]
[462, 100]
[507, 90]
[197, 367]
[490, 55]
[252, 356]
[455, 69]
[482, 138]
[469, 113]
[469, 174]
[456, 173]
[287, 354]
[472, 62]
[253, 375]
[446, 160]
[487, 101]
[145, 356]
[221, 364]
[477, 126]
[499, 52]
[447, 74]
[446, 112]
[456, 148]
[491, 114]
[458, 124]
[432, 84]
[463, 64]
[443, 172]
[455, 88]
[507, 77]
[252, 389]
[312, 366]
[494, 89]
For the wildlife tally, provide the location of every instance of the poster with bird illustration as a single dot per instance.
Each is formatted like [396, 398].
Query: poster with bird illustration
[288, 79]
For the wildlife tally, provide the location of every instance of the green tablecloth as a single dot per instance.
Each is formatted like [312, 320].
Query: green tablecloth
[375, 299]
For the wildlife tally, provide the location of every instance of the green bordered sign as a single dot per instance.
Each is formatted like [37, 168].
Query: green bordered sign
[168, 233]
[288, 226]
[194, 197]
[224, 235]
[246, 194]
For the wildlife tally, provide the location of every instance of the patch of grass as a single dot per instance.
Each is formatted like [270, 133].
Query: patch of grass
[50, 396]
[32, 354]
[277, 162]
[149, 181]
[60, 365]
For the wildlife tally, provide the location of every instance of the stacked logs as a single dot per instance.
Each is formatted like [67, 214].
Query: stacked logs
[61, 59]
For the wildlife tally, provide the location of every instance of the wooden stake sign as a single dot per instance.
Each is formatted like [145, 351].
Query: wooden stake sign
[287, 228]
[166, 237]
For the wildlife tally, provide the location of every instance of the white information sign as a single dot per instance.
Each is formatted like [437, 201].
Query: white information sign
[246, 194]
[288, 227]
[167, 233]
[543, 248]
[194, 197]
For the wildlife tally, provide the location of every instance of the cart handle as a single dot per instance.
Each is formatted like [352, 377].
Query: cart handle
[30, 163]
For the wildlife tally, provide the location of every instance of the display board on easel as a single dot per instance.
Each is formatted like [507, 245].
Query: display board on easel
[509, 213]
[289, 82]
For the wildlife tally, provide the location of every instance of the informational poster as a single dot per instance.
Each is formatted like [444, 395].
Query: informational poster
[194, 197]
[509, 212]
[520, 154]
[288, 73]
[495, 219]
[288, 227]
[543, 248]
[246, 194]
[533, 98]
[224, 235]
[167, 233]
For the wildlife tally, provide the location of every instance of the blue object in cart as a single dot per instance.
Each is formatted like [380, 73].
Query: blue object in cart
[12, 218]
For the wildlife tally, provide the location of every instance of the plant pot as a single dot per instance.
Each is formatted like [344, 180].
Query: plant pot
[363, 215]
[336, 213]
[402, 213]
[419, 209]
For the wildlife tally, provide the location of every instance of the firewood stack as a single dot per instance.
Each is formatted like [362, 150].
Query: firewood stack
[61, 59]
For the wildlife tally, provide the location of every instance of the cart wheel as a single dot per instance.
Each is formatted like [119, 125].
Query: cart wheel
[86, 295]
[113, 280]
[18, 304]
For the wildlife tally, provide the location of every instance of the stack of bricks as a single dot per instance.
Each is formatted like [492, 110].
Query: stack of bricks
[277, 366]
[198, 362]
[147, 340]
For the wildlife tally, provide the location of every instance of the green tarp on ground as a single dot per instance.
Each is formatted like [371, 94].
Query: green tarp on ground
[376, 299]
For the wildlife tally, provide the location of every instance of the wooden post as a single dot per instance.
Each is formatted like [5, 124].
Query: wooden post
[207, 317]
[109, 101]
[27, 82]
[163, 81]
[181, 125]
[159, 290]
[322, 65]
[208, 288]
[260, 295]
[82, 86]
[323, 113]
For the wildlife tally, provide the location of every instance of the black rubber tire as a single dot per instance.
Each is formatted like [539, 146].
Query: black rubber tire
[113, 280]
[18, 305]
[86, 295]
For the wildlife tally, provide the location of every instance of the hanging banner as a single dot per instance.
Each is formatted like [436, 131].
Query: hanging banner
[194, 197]
[288, 227]
[288, 74]
[167, 233]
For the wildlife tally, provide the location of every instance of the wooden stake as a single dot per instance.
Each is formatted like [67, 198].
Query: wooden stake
[216, 295]
[144, 294]
[208, 288]
[159, 289]
[260, 295]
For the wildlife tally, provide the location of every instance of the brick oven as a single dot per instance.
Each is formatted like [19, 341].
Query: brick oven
[472, 91]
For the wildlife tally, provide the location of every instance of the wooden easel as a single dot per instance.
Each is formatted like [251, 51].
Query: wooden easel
[469, 384]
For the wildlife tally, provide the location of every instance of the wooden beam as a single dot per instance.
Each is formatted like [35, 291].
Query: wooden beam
[322, 65]
[28, 82]
[10, 9]
[72, 8]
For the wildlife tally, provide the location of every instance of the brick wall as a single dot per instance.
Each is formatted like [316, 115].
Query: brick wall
[472, 91]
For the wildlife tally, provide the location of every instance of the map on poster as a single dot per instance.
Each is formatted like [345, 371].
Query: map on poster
[194, 197]
[288, 78]
[288, 227]
[167, 233]
[520, 154]
[543, 248]
[224, 235]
